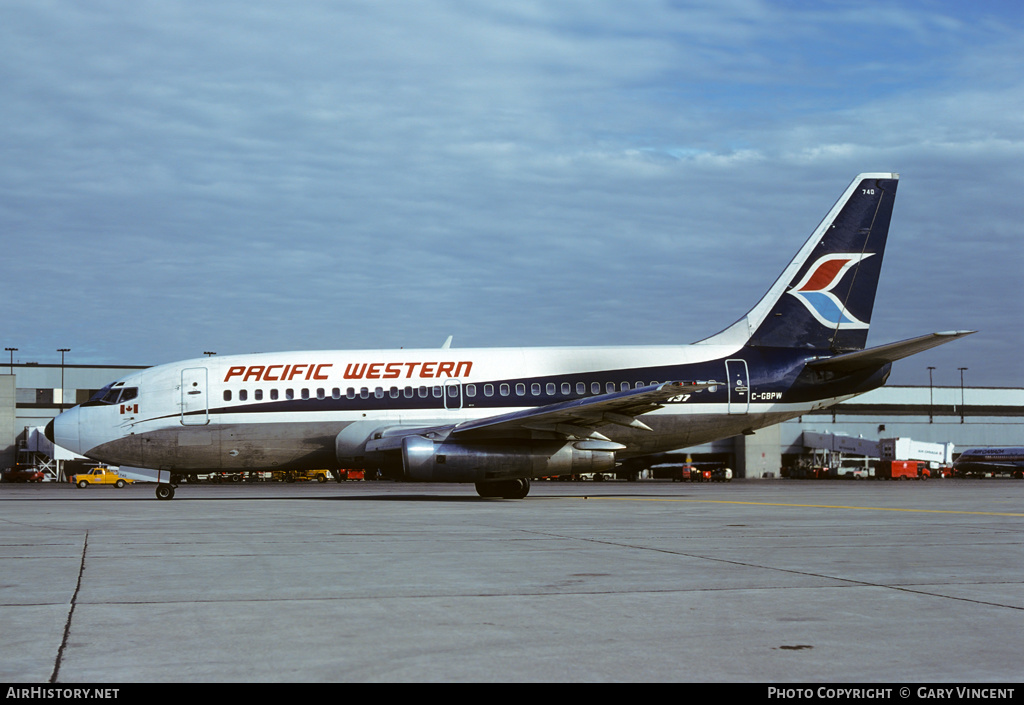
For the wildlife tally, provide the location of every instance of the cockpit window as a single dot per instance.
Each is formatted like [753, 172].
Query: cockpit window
[114, 395]
[101, 394]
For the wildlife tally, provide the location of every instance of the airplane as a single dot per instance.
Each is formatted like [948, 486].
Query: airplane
[499, 417]
[978, 461]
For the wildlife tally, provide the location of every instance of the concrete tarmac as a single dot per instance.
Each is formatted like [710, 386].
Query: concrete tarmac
[753, 581]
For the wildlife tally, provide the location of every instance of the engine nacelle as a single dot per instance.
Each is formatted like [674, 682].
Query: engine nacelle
[424, 460]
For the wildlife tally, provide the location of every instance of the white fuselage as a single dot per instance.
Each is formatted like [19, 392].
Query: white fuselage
[288, 410]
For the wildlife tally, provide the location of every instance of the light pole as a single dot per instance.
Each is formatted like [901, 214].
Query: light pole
[11, 351]
[961, 393]
[931, 397]
[62, 351]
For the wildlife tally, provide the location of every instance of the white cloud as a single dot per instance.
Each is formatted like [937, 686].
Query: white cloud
[331, 175]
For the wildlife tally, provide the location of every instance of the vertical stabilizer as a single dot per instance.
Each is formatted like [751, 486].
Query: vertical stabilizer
[824, 298]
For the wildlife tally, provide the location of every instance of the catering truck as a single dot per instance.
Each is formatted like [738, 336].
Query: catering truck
[936, 454]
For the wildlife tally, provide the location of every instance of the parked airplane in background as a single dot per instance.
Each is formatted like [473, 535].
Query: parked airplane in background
[979, 461]
[499, 417]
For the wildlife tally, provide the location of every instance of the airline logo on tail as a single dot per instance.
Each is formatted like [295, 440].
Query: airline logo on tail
[815, 291]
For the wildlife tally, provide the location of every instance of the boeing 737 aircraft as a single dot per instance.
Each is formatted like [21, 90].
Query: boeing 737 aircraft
[499, 417]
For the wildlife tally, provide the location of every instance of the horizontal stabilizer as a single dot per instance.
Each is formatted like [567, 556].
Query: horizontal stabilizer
[876, 357]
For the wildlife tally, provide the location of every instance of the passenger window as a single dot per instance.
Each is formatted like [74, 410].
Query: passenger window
[394, 392]
[503, 390]
[488, 390]
[551, 389]
[243, 395]
[335, 393]
[364, 393]
[609, 387]
[289, 394]
[535, 389]
[321, 394]
[581, 388]
[520, 389]
[438, 392]
[595, 387]
[258, 395]
[350, 393]
[624, 387]
[305, 394]
[274, 394]
[407, 392]
[470, 390]
[566, 388]
[422, 391]
[227, 395]
[378, 392]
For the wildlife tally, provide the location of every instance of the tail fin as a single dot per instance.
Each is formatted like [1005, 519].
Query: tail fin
[824, 298]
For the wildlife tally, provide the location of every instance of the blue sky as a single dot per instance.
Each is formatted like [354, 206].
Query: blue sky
[256, 176]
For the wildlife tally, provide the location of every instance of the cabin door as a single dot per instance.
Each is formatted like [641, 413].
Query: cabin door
[739, 386]
[195, 408]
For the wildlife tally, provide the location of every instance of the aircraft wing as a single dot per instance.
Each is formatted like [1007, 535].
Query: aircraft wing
[580, 417]
[878, 356]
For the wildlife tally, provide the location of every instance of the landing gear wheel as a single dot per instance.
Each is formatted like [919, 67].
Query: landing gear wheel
[505, 489]
[518, 489]
[164, 491]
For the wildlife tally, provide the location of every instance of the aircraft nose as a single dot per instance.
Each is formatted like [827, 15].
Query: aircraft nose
[48, 431]
[63, 430]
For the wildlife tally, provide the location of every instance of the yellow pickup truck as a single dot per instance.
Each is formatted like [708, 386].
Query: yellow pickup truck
[100, 476]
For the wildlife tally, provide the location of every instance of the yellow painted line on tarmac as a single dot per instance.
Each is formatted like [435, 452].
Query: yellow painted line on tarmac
[806, 506]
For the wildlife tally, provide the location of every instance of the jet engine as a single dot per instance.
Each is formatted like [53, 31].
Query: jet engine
[426, 460]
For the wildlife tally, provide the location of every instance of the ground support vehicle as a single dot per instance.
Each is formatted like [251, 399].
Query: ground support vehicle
[22, 473]
[901, 470]
[100, 476]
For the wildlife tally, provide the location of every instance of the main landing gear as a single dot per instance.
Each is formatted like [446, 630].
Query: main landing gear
[505, 489]
[164, 491]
